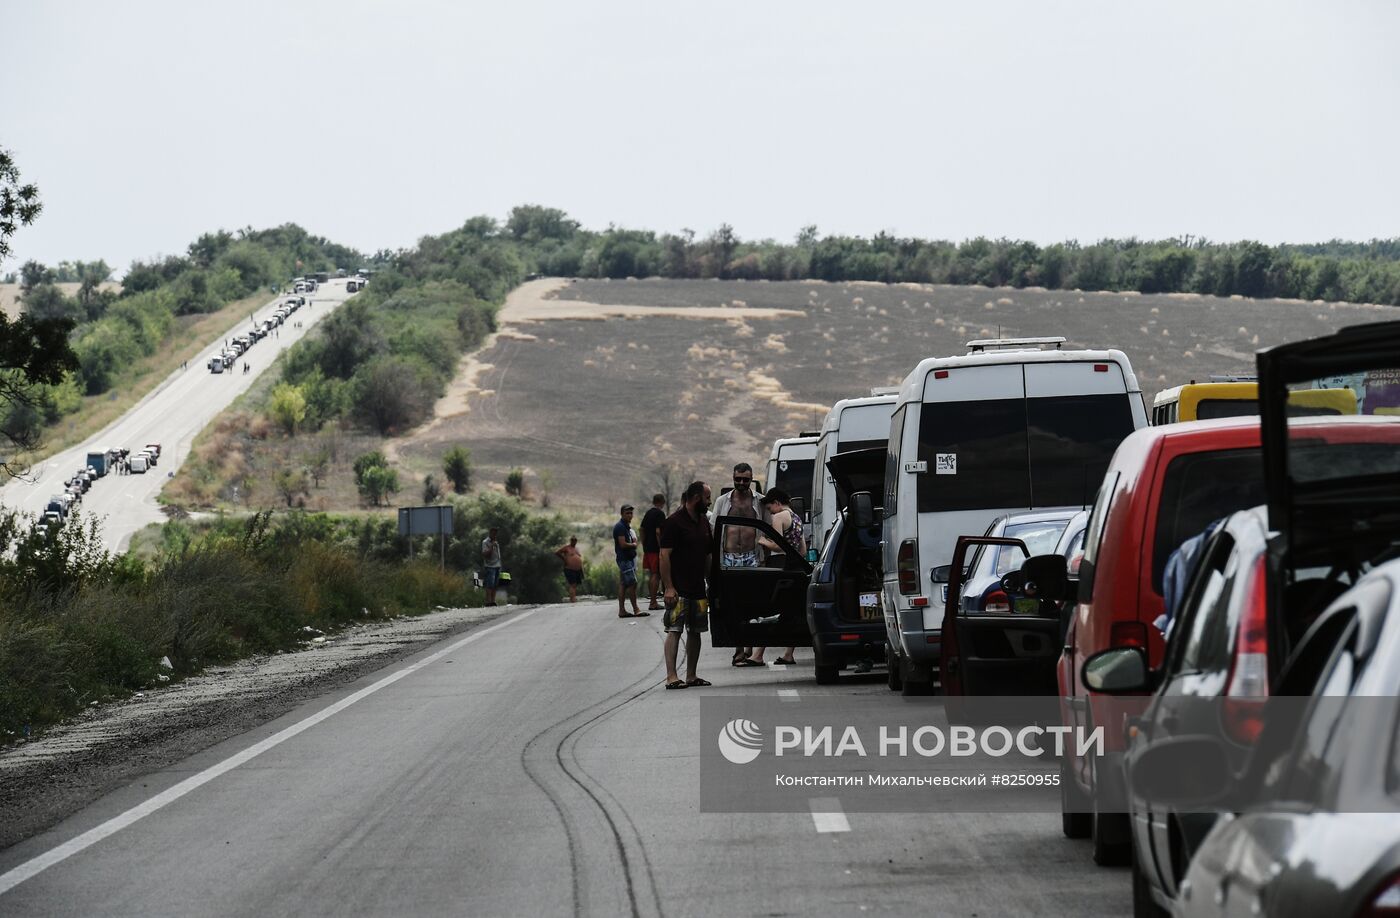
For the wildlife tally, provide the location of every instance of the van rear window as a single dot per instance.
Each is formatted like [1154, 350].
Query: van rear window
[1210, 408]
[1072, 438]
[976, 455]
[1003, 453]
[1197, 490]
[796, 479]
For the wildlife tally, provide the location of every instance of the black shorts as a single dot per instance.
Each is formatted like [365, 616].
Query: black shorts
[573, 577]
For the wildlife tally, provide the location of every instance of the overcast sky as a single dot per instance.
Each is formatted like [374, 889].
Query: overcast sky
[147, 123]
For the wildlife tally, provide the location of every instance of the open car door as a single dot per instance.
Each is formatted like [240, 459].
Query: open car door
[763, 605]
[999, 653]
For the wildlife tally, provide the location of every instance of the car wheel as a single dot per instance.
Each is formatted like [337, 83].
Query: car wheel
[1144, 906]
[826, 675]
[1074, 821]
[892, 676]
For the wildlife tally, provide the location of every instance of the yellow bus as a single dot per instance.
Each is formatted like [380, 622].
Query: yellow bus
[1236, 398]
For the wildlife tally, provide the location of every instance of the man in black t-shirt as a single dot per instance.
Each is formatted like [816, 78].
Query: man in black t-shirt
[685, 551]
[652, 522]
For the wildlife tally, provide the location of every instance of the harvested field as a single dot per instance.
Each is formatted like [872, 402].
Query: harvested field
[599, 383]
[9, 294]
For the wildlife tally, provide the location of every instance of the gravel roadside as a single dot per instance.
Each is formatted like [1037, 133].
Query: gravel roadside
[47, 779]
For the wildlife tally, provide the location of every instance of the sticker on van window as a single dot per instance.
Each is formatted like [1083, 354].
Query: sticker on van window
[782, 466]
[946, 464]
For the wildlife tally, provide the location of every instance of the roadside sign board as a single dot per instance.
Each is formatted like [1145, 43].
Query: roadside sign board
[425, 520]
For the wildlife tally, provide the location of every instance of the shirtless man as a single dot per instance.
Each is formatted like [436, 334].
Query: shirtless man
[573, 566]
[740, 547]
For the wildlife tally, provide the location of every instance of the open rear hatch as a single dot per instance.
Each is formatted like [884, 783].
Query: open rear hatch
[858, 470]
[1332, 484]
[859, 596]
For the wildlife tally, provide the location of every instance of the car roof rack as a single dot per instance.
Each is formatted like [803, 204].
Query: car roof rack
[883, 390]
[985, 344]
[1228, 377]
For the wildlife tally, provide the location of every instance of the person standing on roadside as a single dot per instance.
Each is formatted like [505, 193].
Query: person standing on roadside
[780, 515]
[685, 551]
[490, 565]
[740, 548]
[625, 546]
[652, 522]
[573, 566]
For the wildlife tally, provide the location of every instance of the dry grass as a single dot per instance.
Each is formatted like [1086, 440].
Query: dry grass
[599, 404]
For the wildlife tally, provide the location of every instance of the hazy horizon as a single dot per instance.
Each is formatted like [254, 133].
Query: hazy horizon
[149, 124]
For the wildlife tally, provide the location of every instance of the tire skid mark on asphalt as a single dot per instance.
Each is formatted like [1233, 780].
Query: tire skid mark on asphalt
[575, 776]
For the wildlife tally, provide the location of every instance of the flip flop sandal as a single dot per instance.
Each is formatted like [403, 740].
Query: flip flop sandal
[781, 662]
[679, 683]
[641, 614]
[698, 683]
[750, 663]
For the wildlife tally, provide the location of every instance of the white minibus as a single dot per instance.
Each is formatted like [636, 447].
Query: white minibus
[852, 423]
[790, 464]
[1015, 424]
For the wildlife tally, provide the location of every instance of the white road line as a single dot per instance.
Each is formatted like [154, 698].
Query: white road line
[788, 694]
[827, 815]
[18, 875]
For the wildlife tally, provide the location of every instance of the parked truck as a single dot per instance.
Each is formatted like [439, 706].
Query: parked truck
[99, 460]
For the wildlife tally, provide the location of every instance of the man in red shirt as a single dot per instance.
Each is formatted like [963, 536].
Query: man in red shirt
[685, 551]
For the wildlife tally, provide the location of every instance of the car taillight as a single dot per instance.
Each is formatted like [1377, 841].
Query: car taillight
[997, 601]
[908, 566]
[1128, 634]
[1248, 681]
[1385, 902]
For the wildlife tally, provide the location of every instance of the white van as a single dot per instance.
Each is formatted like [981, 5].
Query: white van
[139, 463]
[852, 423]
[1016, 424]
[790, 465]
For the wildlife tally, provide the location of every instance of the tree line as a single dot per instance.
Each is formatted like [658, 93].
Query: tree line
[1335, 270]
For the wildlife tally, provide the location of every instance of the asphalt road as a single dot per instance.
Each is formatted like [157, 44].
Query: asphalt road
[535, 766]
[171, 415]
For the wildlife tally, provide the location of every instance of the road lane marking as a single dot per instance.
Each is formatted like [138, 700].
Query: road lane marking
[34, 866]
[788, 694]
[827, 815]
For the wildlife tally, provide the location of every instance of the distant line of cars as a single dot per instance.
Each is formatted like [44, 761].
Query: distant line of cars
[99, 462]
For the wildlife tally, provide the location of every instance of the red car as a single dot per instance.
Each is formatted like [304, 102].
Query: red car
[1164, 485]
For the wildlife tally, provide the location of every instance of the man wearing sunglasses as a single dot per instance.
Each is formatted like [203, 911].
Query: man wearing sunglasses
[740, 548]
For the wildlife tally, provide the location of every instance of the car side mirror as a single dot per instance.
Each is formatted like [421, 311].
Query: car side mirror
[943, 573]
[1041, 577]
[799, 506]
[1181, 771]
[1117, 670]
[862, 510]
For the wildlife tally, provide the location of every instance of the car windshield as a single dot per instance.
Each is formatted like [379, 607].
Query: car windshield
[1040, 539]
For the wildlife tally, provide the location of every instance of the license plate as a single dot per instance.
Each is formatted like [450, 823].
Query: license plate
[870, 607]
